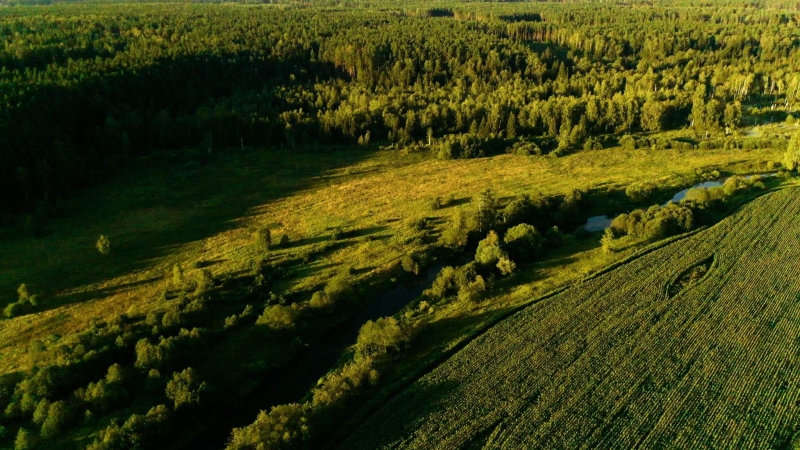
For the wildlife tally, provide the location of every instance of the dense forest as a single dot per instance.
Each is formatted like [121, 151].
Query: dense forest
[93, 91]
[85, 88]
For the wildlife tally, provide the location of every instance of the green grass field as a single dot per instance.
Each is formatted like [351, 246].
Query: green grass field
[622, 361]
[156, 218]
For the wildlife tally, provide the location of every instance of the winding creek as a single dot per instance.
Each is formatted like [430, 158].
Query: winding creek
[600, 223]
[290, 384]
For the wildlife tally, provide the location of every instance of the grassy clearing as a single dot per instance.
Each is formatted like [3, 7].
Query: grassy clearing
[624, 361]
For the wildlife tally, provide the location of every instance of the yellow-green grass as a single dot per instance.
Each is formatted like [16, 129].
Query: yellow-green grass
[623, 361]
[161, 214]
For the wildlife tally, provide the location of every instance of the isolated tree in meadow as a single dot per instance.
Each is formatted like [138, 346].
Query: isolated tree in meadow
[263, 239]
[791, 158]
[103, 245]
[607, 240]
[485, 211]
[177, 275]
[205, 281]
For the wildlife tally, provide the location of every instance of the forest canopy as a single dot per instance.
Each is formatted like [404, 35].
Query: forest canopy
[86, 88]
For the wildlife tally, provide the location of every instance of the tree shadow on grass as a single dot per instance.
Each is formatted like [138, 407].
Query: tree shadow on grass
[85, 296]
[457, 202]
[361, 232]
[187, 211]
[302, 242]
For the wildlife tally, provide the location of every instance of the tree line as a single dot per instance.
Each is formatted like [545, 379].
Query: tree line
[85, 89]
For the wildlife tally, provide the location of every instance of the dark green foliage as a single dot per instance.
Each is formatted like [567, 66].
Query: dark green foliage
[417, 224]
[523, 242]
[455, 235]
[489, 251]
[450, 281]
[279, 317]
[283, 427]
[278, 76]
[59, 415]
[592, 144]
[105, 393]
[185, 388]
[639, 192]
[410, 264]
[792, 158]
[24, 440]
[569, 209]
[471, 290]
[103, 245]
[86, 90]
[339, 287]
[137, 433]
[527, 209]
[484, 213]
[465, 146]
[553, 238]
[263, 239]
[655, 222]
[170, 351]
[380, 336]
[25, 303]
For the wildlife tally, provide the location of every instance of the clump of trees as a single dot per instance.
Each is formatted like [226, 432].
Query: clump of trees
[336, 290]
[654, 222]
[523, 242]
[279, 317]
[380, 336]
[25, 304]
[639, 192]
[185, 388]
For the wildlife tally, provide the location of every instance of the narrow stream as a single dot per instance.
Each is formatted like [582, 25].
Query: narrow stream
[290, 383]
[600, 223]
